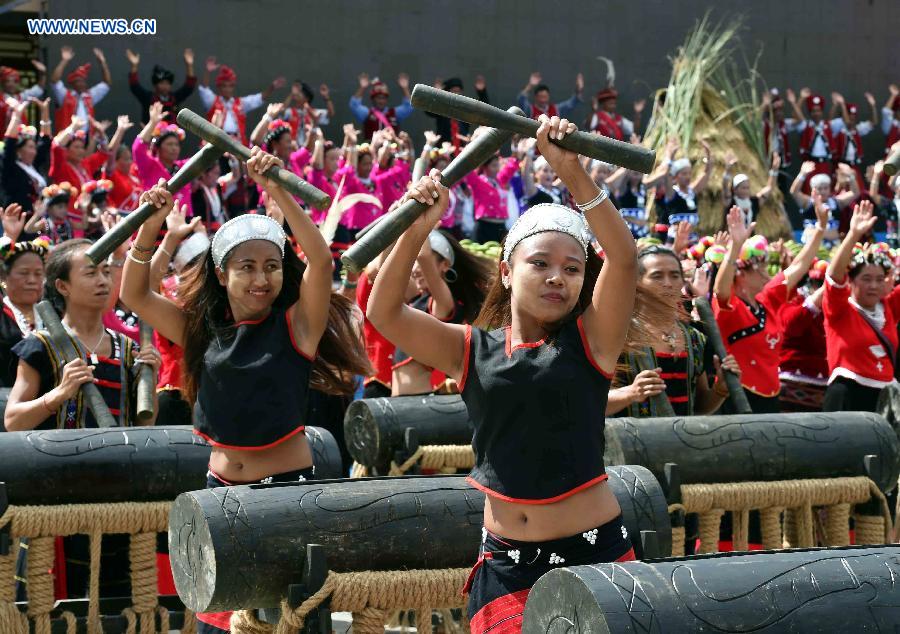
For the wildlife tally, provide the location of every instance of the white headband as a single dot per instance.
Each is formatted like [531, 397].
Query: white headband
[243, 229]
[197, 244]
[820, 179]
[679, 165]
[738, 179]
[441, 245]
[547, 217]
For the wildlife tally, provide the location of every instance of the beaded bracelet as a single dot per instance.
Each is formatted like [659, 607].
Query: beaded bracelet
[134, 259]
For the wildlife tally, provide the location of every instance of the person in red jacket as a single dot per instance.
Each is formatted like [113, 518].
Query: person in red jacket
[747, 306]
[860, 319]
[12, 93]
[608, 122]
[817, 142]
[223, 98]
[78, 99]
[71, 161]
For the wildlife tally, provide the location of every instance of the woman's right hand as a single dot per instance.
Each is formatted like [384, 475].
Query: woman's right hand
[429, 191]
[646, 385]
[161, 198]
[75, 374]
[738, 231]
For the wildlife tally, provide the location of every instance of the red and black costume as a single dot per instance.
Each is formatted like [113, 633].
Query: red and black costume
[534, 404]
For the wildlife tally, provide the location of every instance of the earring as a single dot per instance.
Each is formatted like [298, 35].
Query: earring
[506, 283]
[450, 275]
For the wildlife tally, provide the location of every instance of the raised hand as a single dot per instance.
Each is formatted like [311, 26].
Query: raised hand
[325, 91]
[159, 197]
[278, 83]
[66, 53]
[863, 219]
[776, 161]
[189, 56]
[13, 221]
[350, 133]
[100, 126]
[823, 211]
[429, 191]
[837, 98]
[730, 159]
[363, 80]
[432, 139]
[894, 90]
[258, 164]
[77, 122]
[211, 64]
[535, 79]
[123, 122]
[556, 129]
[403, 81]
[274, 109]
[870, 99]
[804, 93]
[98, 53]
[579, 83]
[738, 231]
[39, 66]
[480, 83]
[177, 224]
[639, 106]
[789, 94]
[133, 58]
[807, 168]
[156, 113]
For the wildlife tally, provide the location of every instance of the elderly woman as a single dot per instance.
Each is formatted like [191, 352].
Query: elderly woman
[821, 184]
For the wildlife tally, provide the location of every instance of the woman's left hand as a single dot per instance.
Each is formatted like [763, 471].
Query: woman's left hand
[429, 191]
[149, 357]
[258, 164]
[730, 364]
[556, 129]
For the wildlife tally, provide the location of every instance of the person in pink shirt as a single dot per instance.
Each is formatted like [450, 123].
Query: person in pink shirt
[438, 157]
[325, 164]
[490, 187]
[155, 152]
[360, 177]
[391, 171]
[275, 136]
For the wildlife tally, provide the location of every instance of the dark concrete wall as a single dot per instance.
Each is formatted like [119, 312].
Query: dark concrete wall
[846, 45]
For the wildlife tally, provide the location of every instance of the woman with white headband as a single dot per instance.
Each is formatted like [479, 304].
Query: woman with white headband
[535, 381]
[259, 329]
[736, 191]
[451, 283]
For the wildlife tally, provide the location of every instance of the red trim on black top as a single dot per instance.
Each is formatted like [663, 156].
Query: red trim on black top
[669, 355]
[587, 350]
[467, 350]
[406, 361]
[556, 498]
[525, 344]
[215, 443]
[290, 327]
[251, 322]
[9, 313]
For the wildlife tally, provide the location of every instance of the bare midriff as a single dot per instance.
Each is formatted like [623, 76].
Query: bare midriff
[240, 465]
[572, 515]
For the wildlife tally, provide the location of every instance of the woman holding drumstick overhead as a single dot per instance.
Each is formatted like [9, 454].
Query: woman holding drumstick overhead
[536, 385]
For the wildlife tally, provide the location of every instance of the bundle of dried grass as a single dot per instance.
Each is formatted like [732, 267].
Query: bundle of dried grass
[712, 96]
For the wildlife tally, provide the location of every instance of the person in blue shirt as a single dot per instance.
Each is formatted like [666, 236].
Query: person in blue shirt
[541, 98]
[379, 115]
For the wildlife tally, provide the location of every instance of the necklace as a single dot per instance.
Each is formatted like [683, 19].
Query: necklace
[671, 337]
[21, 320]
[91, 350]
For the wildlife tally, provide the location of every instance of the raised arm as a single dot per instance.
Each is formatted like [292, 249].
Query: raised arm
[792, 99]
[771, 183]
[861, 223]
[104, 67]
[309, 315]
[616, 285]
[123, 123]
[421, 335]
[730, 163]
[700, 184]
[275, 84]
[739, 233]
[65, 56]
[874, 183]
[325, 93]
[794, 273]
[259, 132]
[807, 168]
[870, 99]
[156, 115]
[158, 311]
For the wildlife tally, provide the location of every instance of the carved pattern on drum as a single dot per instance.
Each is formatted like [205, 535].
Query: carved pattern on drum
[789, 591]
[72, 442]
[641, 613]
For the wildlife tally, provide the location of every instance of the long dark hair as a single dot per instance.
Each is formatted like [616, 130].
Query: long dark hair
[473, 278]
[59, 267]
[649, 306]
[341, 355]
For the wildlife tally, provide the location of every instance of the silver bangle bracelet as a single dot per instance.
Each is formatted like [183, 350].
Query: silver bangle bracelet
[603, 195]
[135, 260]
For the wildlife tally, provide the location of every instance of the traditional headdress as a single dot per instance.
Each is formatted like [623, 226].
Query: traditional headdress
[79, 73]
[243, 229]
[852, 108]
[819, 179]
[7, 72]
[225, 75]
[607, 93]
[188, 250]
[161, 74]
[547, 217]
[78, 135]
[776, 98]
[441, 245]
[275, 128]
[163, 130]
[378, 88]
[877, 253]
[453, 82]
[10, 249]
[738, 179]
[679, 165]
[817, 270]
[813, 101]
[59, 192]
[755, 251]
[26, 133]
[97, 189]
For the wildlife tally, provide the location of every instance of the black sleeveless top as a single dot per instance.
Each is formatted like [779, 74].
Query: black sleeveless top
[254, 385]
[538, 411]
